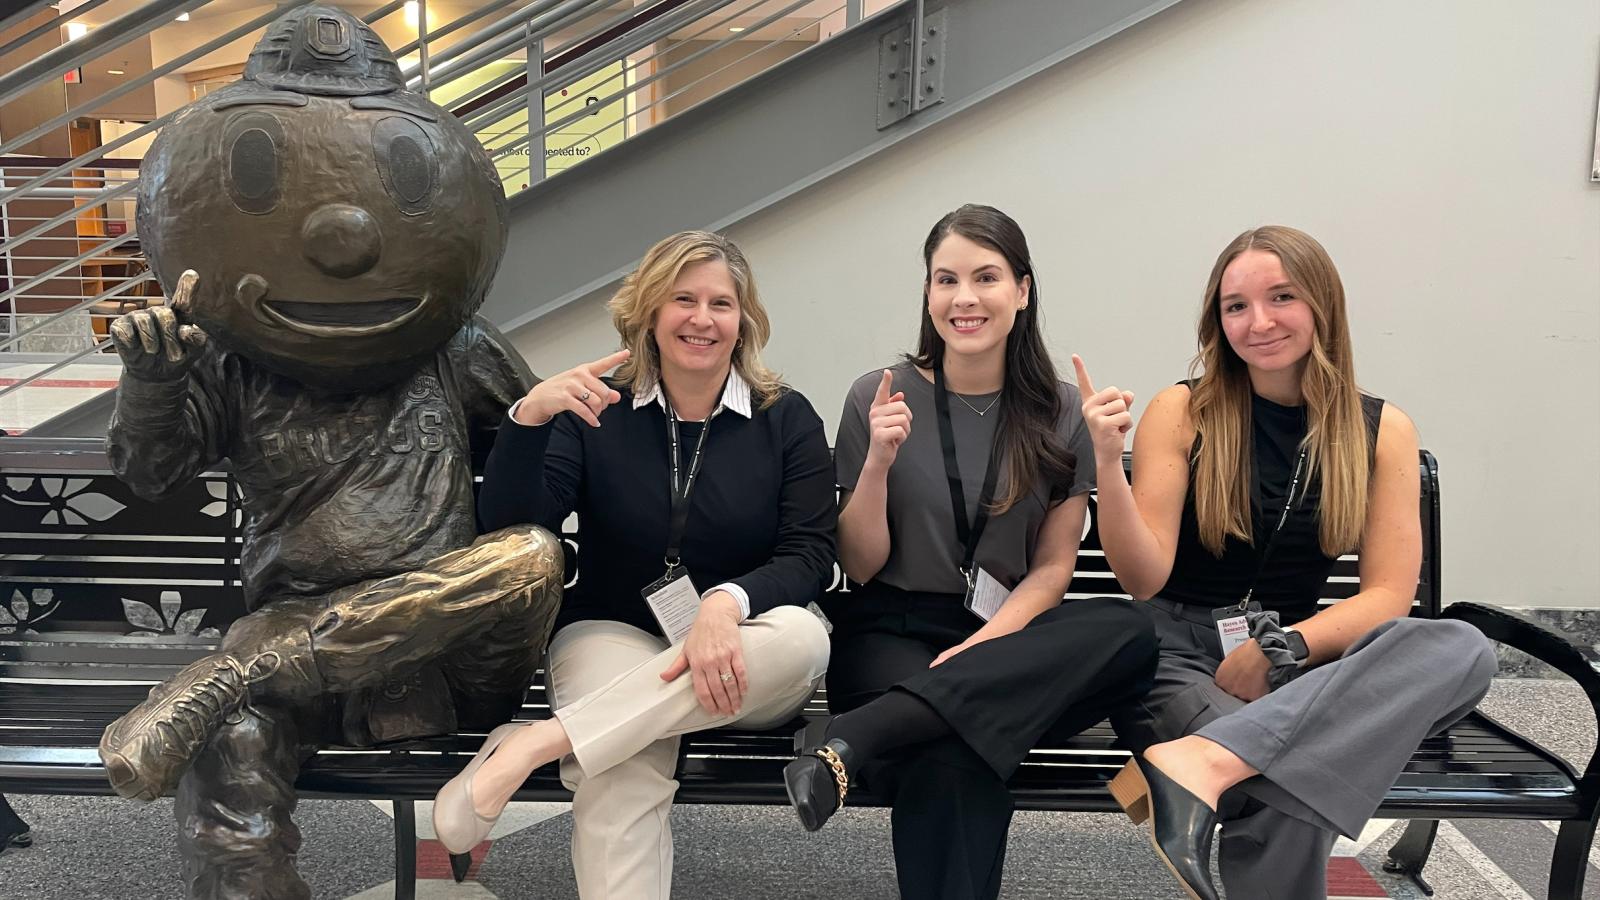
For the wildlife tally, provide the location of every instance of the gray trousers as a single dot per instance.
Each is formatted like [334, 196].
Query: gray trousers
[1328, 745]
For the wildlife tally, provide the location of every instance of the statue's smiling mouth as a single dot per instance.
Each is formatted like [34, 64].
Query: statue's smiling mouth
[342, 319]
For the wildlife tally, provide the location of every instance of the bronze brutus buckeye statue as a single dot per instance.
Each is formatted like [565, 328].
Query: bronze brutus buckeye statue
[345, 231]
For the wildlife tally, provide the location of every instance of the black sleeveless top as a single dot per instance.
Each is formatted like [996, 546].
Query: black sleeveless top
[1294, 576]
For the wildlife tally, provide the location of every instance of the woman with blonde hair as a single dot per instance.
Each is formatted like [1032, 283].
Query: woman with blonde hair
[1285, 723]
[704, 487]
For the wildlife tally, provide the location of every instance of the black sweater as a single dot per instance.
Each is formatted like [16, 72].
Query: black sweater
[762, 513]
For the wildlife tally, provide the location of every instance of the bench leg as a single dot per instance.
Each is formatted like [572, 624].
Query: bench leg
[405, 850]
[1570, 862]
[1411, 852]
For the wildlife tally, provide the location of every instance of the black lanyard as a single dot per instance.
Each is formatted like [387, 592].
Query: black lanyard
[969, 535]
[1272, 539]
[680, 491]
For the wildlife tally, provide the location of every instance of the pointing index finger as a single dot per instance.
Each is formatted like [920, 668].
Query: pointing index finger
[605, 364]
[182, 291]
[1085, 386]
[882, 396]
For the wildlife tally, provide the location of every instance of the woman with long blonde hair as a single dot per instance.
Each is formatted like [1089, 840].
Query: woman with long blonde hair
[705, 491]
[1284, 722]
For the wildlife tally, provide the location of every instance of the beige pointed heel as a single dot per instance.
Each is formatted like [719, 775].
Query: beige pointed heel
[455, 819]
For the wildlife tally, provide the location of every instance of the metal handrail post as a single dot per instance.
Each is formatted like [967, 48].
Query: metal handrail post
[11, 268]
[852, 12]
[600, 57]
[487, 9]
[507, 32]
[422, 43]
[382, 11]
[538, 165]
[579, 69]
[497, 83]
[679, 92]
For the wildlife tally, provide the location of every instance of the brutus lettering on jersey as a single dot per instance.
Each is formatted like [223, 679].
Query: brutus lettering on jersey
[416, 422]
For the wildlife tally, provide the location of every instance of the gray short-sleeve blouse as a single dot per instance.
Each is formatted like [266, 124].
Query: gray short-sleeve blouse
[924, 554]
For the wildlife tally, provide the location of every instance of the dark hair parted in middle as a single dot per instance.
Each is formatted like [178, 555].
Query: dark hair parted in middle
[1030, 398]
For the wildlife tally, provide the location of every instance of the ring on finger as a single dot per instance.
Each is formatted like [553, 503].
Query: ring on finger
[726, 677]
[584, 396]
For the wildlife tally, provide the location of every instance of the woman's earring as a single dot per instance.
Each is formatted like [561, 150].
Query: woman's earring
[738, 343]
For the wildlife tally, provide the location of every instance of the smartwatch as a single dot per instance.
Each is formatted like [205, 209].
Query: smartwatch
[1297, 646]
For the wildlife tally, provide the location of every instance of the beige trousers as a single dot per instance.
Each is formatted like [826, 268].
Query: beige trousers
[624, 722]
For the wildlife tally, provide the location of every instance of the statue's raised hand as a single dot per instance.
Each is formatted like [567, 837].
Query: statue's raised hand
[158, 343]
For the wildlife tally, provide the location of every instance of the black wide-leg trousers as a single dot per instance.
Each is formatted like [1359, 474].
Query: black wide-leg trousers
[1063, 672]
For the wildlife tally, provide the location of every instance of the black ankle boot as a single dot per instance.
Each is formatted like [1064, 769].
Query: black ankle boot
[1181, 825]
[819, 778]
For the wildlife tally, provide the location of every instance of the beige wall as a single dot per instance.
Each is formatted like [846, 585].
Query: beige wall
[1439, 149]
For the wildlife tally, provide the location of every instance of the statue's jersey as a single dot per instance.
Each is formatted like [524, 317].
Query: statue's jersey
[336, 489]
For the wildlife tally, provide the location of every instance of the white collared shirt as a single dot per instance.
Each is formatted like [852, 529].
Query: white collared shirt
[735, 395]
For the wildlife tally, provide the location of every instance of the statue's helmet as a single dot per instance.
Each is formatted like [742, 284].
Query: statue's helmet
[343, 227]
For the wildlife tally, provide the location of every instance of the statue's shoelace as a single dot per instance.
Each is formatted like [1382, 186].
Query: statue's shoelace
[202, 706]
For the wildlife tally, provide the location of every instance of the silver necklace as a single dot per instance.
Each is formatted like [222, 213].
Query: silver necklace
[980, 412]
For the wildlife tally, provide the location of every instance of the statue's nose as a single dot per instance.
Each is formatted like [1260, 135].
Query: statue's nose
[342, 240]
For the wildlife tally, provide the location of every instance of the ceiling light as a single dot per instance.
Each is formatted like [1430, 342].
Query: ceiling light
[736, 28]
[76, 30]
[182, 17]
[115, 72]
[411, 13]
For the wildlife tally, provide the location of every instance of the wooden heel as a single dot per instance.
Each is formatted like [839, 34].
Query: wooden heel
[1132, 793]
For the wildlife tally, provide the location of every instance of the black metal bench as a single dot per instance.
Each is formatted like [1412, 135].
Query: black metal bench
[102, 594]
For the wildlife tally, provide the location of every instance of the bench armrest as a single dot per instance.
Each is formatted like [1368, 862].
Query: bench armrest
[1506, 627]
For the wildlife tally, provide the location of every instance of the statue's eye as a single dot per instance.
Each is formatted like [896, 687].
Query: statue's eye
[254, 144]
[406, 162]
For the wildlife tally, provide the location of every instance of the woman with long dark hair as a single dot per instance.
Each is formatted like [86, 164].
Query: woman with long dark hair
[1286, 723]
[957, 653]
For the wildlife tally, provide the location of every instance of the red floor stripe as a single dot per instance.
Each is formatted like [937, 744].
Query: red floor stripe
[1347, 877]
[433, 860]
[61, 383]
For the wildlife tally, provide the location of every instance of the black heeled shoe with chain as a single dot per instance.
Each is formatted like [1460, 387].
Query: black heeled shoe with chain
[819, 777]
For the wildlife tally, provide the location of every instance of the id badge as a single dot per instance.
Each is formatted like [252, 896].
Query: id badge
[674, 602]
[985, 595]
[1233, 626]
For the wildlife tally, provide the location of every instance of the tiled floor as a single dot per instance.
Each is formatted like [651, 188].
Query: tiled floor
[93, 848]
[57, 392]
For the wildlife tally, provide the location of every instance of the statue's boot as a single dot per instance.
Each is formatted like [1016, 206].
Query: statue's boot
[147, 750]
